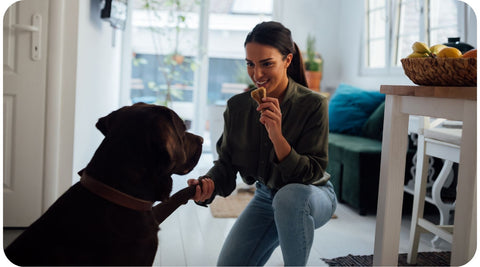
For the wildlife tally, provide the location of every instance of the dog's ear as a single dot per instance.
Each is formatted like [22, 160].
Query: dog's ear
[105, 123]
[102, 125]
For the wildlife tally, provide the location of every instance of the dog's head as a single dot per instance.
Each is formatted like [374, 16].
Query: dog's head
[146, 144]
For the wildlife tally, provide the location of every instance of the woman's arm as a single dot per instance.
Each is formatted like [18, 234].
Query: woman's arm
[308, 157]
[222, 175]
[271, 117]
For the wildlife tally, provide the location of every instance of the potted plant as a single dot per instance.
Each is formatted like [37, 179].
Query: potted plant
[313, 65]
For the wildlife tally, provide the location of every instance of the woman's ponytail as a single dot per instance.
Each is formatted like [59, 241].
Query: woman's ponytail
[296, 69]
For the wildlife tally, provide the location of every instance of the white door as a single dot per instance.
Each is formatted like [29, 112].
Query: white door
[24, 92]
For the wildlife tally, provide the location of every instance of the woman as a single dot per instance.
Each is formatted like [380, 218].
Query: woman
[281, 145]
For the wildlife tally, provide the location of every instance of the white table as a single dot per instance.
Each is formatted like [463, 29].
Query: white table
[453, 103]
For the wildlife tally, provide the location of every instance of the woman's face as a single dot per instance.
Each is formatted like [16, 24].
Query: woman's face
[267, 67]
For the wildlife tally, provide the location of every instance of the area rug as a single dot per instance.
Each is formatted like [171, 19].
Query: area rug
[233, 205]
[423, 259]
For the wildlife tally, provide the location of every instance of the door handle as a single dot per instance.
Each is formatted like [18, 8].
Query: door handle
[22, 27]
[35, 29]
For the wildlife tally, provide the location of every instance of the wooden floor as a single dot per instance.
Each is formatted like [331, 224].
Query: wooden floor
[192, 237]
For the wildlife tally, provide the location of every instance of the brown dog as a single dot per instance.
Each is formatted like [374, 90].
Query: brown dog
[107, 218]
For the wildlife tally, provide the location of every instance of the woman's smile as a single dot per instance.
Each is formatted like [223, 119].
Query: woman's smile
[261, 83]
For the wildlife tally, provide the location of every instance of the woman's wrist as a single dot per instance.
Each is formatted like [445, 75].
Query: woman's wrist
[282, 148]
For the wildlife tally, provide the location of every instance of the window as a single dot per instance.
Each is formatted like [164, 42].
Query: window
[189, 54]
[229, 24]
[392, 26]
[376, 33]
[164, 38]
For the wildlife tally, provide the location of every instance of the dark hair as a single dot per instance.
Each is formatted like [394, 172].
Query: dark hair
[274, 34]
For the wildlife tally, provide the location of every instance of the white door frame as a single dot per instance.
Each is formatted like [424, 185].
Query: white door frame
[60, 101]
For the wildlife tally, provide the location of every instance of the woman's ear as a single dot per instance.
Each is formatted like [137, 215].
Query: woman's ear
[288, 60]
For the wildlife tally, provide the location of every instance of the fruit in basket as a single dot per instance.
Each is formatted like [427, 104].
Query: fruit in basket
[451, 52]
[419, 47]
[441, 66]
[470, 54]
[417, 55]
[434, 49]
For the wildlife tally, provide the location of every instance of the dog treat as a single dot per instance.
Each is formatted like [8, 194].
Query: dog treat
[258, 94]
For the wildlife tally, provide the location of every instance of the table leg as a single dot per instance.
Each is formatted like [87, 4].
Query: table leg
[392, 173]
[464, 230]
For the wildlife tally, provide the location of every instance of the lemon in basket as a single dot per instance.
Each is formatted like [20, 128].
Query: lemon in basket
[450, 52]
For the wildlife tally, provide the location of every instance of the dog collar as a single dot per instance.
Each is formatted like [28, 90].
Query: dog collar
[113, 195]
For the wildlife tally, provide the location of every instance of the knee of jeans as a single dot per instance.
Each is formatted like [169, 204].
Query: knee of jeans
[291, 195]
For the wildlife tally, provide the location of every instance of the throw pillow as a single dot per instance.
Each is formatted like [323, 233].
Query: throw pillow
[373, 127]
[350, 107]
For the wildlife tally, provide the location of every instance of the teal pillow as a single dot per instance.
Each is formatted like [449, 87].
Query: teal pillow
[350, 107]
[373, 127]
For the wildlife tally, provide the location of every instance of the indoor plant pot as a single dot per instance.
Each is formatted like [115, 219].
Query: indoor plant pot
[313, 65]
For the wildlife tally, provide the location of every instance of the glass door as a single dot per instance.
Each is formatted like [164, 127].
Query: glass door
[229, 24]
[189, 55]
[164, 44]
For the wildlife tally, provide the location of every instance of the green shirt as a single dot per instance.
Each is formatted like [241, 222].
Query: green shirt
[244, 146]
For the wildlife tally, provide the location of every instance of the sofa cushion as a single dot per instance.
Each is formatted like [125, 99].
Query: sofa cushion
[350, 107]
[373, 127]
[353, 143]
[354, 166]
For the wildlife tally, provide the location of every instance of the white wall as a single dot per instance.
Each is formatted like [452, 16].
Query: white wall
[98, 80]
[321, 19]
[471, 19]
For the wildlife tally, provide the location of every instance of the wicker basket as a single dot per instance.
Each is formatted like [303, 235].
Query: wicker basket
[441, 71]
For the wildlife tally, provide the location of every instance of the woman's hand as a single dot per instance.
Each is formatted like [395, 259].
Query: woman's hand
[271, 118]
[204, 191]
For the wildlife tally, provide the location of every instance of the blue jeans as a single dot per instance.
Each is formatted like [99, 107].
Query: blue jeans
[287, 218]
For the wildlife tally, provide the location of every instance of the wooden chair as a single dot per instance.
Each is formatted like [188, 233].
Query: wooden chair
[443, 143]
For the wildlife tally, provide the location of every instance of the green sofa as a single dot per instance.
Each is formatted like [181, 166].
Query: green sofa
[354, 163]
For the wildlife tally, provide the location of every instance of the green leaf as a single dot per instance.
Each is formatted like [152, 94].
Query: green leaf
[151, 85]
[177, 93]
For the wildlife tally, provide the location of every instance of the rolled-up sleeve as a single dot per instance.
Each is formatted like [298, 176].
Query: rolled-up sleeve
[223, 173]
[308, 157]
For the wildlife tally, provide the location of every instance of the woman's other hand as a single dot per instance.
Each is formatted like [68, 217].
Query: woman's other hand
[204, 191]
